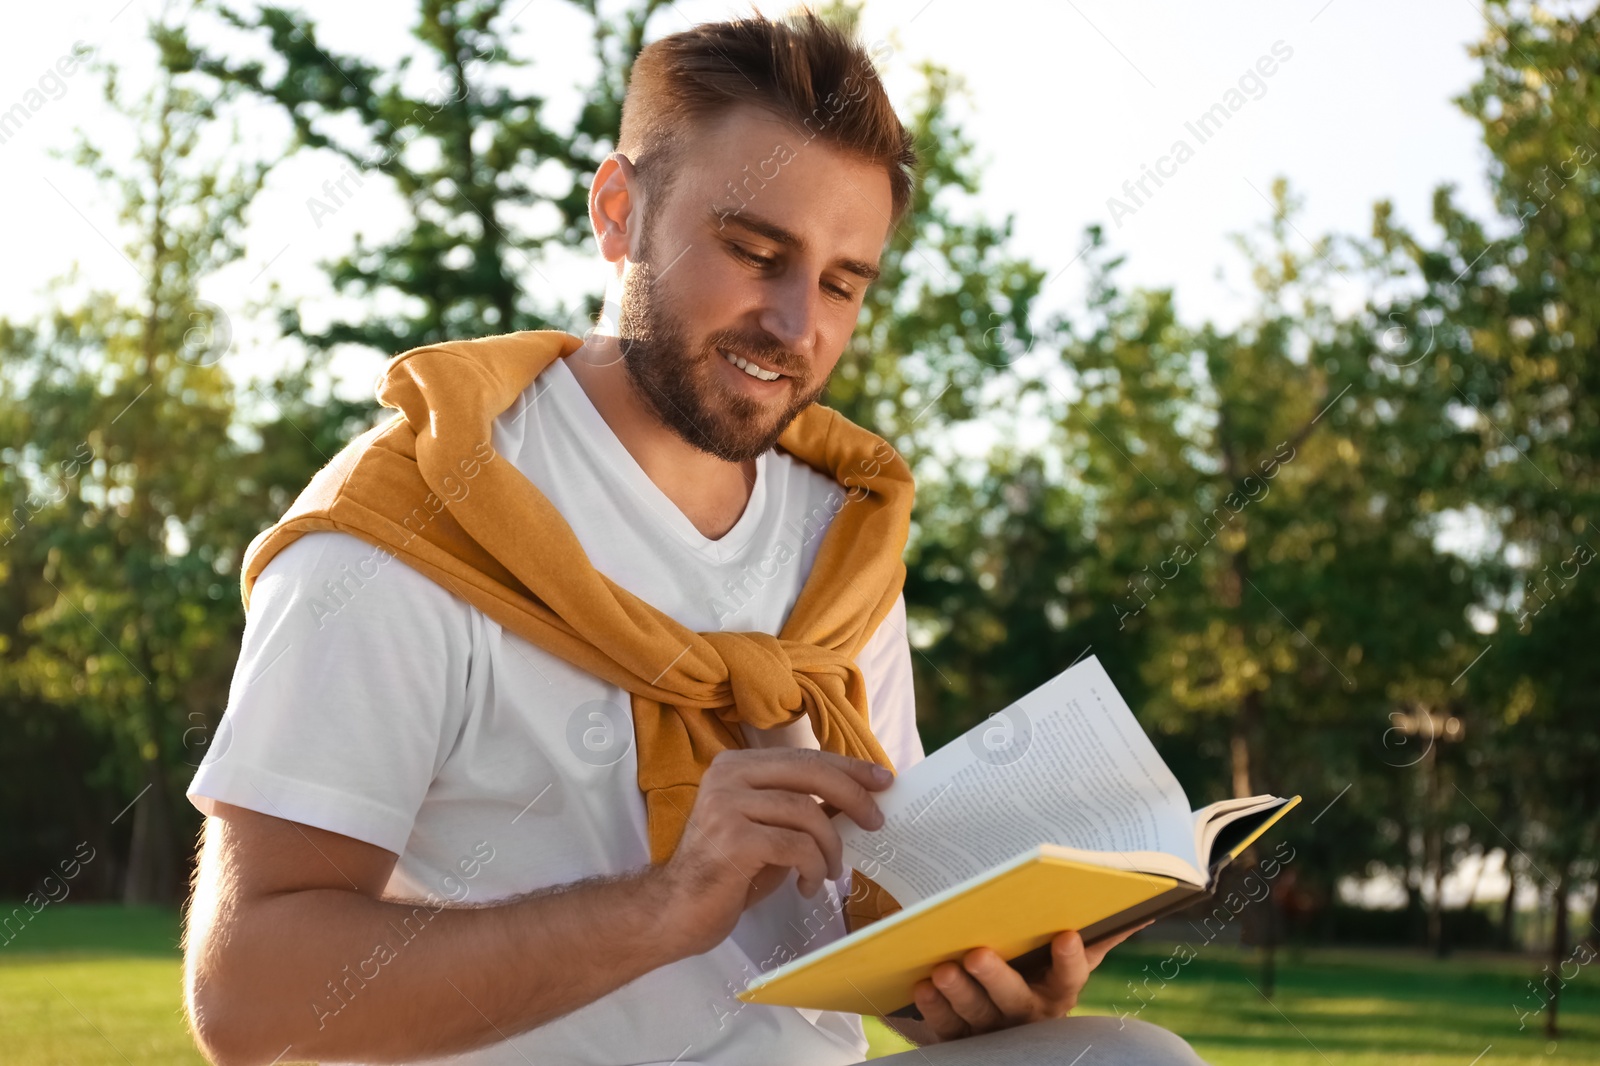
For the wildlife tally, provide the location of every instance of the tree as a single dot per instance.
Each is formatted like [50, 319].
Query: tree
[472, 158]
[127, 612]
[1529, 305]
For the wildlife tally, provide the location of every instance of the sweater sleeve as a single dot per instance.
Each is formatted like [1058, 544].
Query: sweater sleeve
[885, 662]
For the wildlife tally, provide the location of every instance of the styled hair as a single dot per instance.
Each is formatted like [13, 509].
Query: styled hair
[800, 68]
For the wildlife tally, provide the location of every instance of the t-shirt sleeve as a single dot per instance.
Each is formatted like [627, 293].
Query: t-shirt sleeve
[350, 689]
[885, 662]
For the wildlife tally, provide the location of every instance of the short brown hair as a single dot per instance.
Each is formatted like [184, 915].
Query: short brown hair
[800, 68]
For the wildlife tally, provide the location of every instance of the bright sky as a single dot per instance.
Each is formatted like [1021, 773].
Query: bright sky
[1068, 102]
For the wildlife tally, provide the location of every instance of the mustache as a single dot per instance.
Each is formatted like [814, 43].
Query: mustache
[764, 351]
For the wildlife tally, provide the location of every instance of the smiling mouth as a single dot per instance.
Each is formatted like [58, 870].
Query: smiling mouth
[748, 367]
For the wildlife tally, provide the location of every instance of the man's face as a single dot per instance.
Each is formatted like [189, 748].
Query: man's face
[761, 251]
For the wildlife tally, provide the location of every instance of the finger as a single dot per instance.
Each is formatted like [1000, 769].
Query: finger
[765, 882]
[967, 997]
[1008, 990]
[1096, 952]
[844, 782]
[791, 810]
[937, 1012]
[863, 770]
[790, 847]
[1069, 970]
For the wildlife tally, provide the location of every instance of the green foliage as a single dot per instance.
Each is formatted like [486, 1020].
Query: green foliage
[470, 157]
[122, 581]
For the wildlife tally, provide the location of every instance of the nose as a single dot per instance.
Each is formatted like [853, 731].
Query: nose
[790, 312]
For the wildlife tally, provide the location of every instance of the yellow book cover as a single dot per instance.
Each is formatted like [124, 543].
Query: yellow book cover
[1055, 814]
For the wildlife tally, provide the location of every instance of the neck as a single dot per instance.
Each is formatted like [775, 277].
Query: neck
[712, 493]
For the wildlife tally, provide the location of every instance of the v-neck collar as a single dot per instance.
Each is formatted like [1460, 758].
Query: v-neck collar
[599, 434]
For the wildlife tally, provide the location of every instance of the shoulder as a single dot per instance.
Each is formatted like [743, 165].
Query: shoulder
[326, 573]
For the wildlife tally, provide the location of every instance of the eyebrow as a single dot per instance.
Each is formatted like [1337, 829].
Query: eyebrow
[778, 235]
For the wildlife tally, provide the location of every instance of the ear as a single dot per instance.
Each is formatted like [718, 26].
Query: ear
[614, 203]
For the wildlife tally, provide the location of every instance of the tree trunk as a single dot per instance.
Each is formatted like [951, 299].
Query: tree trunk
[151, 855]
[1247, 722]
[1239, 750]
[1244, 728]
[1433, 842]
[1416, 906]
[1558, 952]
[1269, 955]
[1508, 909]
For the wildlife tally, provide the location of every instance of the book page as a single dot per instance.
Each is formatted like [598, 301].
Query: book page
[1067, 764]
[1211, 821]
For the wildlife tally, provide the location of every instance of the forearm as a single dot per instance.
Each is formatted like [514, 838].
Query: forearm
[338, 975]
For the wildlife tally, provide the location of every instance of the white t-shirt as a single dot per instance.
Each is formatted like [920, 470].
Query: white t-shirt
[372, 702]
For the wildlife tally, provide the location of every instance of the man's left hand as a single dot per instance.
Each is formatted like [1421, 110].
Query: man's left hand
[984, 993]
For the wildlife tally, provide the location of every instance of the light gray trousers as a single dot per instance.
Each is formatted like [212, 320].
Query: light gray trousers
[1067, 1041]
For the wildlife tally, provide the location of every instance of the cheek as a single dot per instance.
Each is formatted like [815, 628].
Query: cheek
[835, 329]
[708, 292]
[827, 359]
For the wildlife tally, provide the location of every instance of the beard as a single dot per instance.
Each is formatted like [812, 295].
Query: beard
[683, 385]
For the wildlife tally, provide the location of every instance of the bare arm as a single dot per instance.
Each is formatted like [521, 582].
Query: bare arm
[289, 948]
[290, 953]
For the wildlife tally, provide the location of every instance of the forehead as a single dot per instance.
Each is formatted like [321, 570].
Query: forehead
[749, 158]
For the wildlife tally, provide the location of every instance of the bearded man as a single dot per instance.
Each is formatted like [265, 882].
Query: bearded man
[551, 683]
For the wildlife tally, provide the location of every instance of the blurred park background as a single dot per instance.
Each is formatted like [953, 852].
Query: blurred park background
[1331, 537]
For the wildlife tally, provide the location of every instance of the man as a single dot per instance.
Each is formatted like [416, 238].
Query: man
[456, 809]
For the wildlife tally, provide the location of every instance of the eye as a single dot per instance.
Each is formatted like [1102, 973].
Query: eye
[767, 261]
[750, 257]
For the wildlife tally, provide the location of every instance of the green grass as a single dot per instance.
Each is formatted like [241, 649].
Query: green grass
[1343, 1006]
[83, 985]
[88, 984]
[1351, 1007]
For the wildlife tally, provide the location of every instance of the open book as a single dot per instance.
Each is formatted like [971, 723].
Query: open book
[1055, 813]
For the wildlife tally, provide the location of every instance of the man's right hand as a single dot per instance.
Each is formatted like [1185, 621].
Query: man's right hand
[756, 816]
[283, 914]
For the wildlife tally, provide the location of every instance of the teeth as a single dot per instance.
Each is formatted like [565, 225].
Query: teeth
[750, 368]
